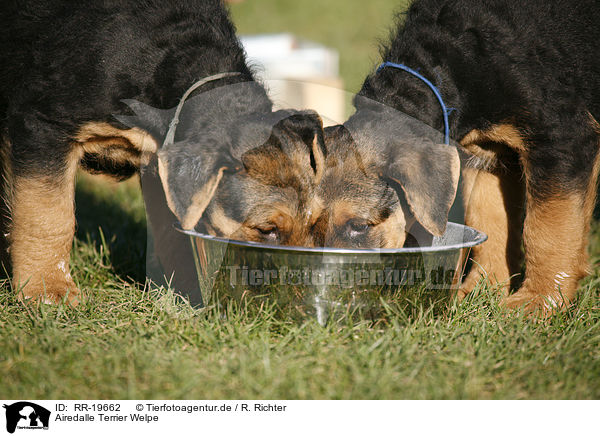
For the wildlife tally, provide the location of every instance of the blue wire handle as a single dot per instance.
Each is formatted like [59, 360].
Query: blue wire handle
[433, 88]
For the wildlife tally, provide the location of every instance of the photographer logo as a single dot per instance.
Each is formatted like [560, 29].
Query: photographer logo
[24, 415]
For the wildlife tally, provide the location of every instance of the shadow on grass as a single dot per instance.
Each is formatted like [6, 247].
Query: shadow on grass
[111, 217]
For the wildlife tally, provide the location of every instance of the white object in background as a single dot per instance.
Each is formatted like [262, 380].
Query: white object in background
[299, 74]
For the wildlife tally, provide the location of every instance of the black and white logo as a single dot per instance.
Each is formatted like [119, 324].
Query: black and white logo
[26, 416]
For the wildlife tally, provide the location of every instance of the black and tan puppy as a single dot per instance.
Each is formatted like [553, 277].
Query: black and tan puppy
[524, 80]
[385, 174]
[235, 168]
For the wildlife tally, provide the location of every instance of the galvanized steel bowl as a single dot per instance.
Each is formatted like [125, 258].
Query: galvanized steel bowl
[332, 283]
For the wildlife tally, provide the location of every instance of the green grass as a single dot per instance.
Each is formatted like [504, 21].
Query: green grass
[132, 342]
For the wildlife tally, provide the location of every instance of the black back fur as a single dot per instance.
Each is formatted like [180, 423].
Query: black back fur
[532, 63]
[70, 62]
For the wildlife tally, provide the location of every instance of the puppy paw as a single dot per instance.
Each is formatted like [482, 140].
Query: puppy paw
[535, 304]
[51, 292]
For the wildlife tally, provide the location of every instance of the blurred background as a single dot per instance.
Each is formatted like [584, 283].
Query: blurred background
[313, 54]
[353, 28]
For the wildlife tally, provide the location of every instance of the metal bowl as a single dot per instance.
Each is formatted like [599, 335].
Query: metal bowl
[332, 283]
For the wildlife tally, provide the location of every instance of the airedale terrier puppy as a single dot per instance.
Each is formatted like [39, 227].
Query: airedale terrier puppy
[66, 68]
[524, 80]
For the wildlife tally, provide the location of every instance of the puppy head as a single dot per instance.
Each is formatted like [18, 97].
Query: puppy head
[235, 168]
[381, 181]
[254, 179]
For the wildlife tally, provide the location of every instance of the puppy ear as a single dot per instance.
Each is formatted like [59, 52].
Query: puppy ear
[189, 181]
[309, 126]
[306, 126]
[294, 149]
[429, 180]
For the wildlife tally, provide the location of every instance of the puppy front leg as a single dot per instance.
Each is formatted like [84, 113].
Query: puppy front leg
[41, 236]
[493, 204]
[557, 225]
[555, 238]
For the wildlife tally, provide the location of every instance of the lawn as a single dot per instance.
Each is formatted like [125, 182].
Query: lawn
[130, 341]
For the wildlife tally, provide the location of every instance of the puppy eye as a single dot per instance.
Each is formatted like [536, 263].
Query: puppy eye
[268, 231]
[357, 228]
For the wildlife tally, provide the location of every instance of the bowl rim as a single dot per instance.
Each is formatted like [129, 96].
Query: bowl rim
[480, 238]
